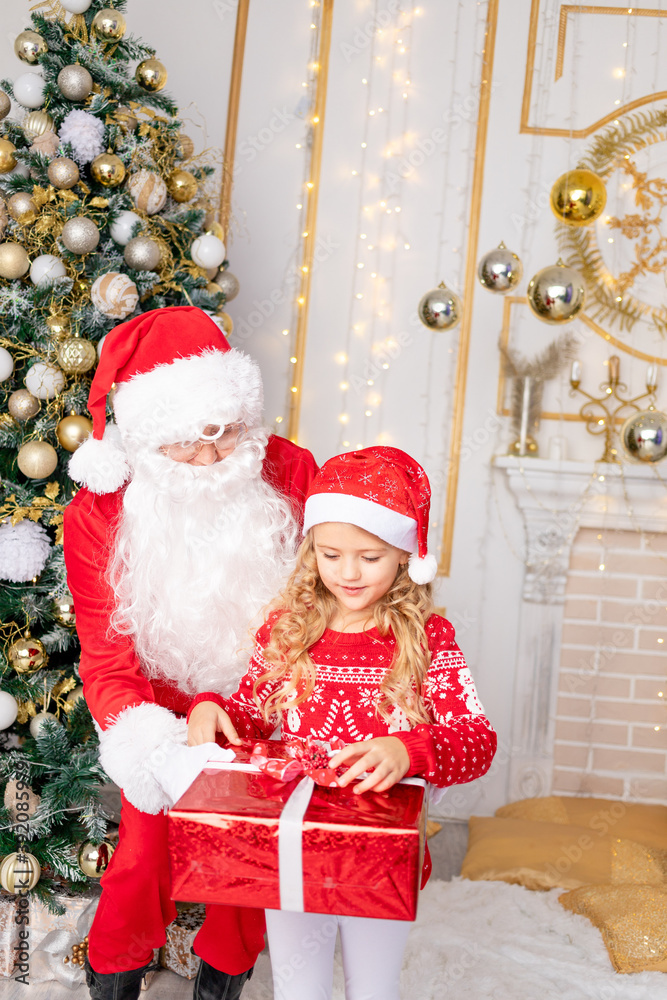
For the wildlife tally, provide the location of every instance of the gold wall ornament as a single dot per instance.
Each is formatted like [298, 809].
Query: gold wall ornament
[578, 197]
[556, 293]
[22, 208]
[108, 25]
[14, 261]
[94, 858]
[22, 405]
[7, 158]
[26, 655]
[29, 46]
[644, 436]
[19, 872]
[76, 356]
[108, 169]
[182, 185]
[37, 459]
[151, 74]
[440, 308]
[36, 123]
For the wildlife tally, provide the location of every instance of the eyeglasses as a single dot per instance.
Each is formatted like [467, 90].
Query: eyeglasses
[223, 439]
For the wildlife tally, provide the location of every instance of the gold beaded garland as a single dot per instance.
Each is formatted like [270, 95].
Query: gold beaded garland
[26, 655]
[72, 431]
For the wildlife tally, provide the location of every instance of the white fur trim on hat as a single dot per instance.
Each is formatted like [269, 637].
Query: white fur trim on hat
[389, 525]
[173, 402]
[101, 466]
[422, 569]
[135, 746]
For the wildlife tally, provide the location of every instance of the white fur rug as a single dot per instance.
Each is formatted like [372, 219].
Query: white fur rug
[493, 941]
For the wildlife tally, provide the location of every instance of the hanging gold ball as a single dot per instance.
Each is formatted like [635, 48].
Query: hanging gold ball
[5, 105]
[22, 208]
[126, 119]
[58, 324]
[151, 74]
[578, 197]
[37, 722]
[94, 858]
[644, 436]
[185, 147]
[36, 123]
[227, 322]
[148, 191]
[29, 46]
[75, 82]
[108, 169]
[228, 284]
[114, 294]
[26, 655]
[215, 229]
[108, 25]
[500, 270]
[22, 405]
[556, 293]
[4, 217]
[37, 459]
[440, 309]
[212, 288]
[14, 262]
[76, 356]
[63, 173]
[7, 158]
[72, 431]
[80, 235]
[19, 872]
[63, 612]
[182, 185]
[76, 694]
[142, 253]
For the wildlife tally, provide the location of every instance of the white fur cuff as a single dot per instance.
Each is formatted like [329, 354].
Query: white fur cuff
[136, 744]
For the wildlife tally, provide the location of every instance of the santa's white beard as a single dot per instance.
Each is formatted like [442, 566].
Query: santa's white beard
[199, 553]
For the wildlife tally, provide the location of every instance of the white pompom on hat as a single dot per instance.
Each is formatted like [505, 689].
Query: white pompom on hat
[383, 491]
[173, 373]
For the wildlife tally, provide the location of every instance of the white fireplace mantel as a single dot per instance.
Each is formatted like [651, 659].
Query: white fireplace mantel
[555, 500]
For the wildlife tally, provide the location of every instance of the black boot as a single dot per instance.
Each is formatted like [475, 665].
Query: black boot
[115, 985]
[213, 985]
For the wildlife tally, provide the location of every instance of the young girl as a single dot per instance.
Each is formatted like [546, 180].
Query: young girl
[355, 651]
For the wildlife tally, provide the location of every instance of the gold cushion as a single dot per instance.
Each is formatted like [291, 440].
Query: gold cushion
[644, 824]
[638, 864]
[537, 855]
[632, 920]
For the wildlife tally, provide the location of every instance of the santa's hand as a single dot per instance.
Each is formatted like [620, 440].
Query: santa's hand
[183, 764]
[386, 755]
[207, 719]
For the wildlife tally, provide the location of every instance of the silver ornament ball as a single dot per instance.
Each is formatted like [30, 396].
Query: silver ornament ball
[142, 253]
[75, 82]
[500, 270]
[440, 309]
[229, 284]
[80, 235]
[38, 721]
[644, 436]
[556, 293]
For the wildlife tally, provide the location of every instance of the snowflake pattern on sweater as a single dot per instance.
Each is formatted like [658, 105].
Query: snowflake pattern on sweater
[455, 747]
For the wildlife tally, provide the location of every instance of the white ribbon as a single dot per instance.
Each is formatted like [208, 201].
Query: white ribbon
[290, 846]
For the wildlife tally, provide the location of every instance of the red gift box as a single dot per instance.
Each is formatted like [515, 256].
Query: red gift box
[231, 841]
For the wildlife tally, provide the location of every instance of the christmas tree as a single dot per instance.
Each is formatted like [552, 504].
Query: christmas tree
[103, 214]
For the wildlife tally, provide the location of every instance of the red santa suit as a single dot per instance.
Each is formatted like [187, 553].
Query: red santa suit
[138, 714]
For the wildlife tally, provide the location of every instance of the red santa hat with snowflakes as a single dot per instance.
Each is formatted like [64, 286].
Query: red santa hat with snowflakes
[173, 373]
[381, 490]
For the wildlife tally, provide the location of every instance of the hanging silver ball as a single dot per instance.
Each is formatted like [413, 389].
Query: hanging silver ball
[500, 270]
[556, 293]
[229, 284]
[644, 436]
[440, 309]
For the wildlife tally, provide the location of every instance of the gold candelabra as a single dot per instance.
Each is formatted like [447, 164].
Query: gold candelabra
[600, 416]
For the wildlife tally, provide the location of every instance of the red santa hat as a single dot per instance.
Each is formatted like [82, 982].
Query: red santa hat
[381, 490]
[173, 373]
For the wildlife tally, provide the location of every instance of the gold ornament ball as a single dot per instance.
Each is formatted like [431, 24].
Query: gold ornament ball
[72, 431]
[27, 655]
[57, 324]
[4, 217]
[37, 459]
[182, 185]
[36, 123]
[185, 147]
[37, 722]
[7, 158]
[14, 261]
[142, 253]
[227, 322]
[22, 208]
[578, 197]
[63, 612]
[215, 229]
[75, 82]
[148, 191]
[7, 422]
[644, 436]
[108, 169]
[556, 293]
[126, 119]
[5, 104]
[228, 284]
[108, 25]
[212, 288]
[22, 405]
[29, 46]
[76, 694]
[440, 309]
[63, 173]
[94, 858]
[80, 235]
[76, 356]
[114, 294]
[19, 872]
[151, 74]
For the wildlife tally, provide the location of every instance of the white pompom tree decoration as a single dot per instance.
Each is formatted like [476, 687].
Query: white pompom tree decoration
[84, 133]
[24, 550]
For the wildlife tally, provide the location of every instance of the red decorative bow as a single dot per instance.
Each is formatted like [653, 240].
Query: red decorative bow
[310, 758]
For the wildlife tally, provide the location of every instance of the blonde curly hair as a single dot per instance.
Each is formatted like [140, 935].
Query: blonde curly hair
[309, 607]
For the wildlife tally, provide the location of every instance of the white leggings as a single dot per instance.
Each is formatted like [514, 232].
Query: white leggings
[302, 955]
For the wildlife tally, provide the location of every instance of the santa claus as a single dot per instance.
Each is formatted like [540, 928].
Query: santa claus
[183, 531]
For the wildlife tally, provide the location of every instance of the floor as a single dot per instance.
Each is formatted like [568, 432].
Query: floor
[447, 849]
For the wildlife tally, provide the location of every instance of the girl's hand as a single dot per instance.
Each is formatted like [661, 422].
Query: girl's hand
[207, 719]
[386, 754]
